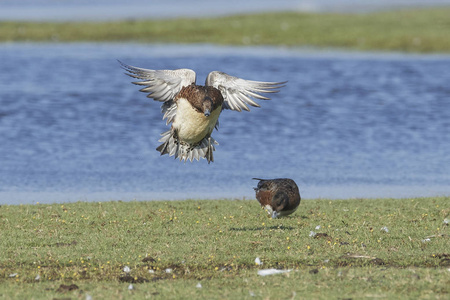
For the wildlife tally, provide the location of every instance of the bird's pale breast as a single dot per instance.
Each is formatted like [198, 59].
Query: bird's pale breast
[191, 125]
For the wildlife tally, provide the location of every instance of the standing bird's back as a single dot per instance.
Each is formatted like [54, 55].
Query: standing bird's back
[280, 195]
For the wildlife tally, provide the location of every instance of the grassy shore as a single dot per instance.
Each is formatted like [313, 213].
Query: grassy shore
[365, 248]
[425, 30]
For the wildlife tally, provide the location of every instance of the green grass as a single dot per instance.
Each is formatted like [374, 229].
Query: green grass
[215, 243]
[426, 30]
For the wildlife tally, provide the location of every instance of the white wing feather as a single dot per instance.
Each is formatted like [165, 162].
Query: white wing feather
[238, 92]
[161, 85]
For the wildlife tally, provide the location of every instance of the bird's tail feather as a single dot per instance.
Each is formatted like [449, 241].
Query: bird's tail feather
[172, 146]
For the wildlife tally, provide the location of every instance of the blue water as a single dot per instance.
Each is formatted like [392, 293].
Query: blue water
[73, 127]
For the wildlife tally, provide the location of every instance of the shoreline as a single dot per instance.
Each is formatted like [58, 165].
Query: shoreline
[172, 49]
[307, 193]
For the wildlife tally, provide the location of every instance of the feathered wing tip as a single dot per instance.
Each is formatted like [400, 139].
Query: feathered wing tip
[161, 85]
[239, 93]
[258, 178]
[258, 185]
[170, 145]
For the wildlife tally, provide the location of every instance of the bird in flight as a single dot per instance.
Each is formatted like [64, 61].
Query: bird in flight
[193, 110]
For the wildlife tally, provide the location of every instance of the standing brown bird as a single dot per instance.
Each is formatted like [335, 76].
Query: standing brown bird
[280, 197]
[194, 109]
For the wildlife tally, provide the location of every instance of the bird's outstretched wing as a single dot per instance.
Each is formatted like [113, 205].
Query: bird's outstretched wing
[238, 93]
[161, 85]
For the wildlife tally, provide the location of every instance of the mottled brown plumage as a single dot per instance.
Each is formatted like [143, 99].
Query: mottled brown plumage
[201, 97]
[280, 197]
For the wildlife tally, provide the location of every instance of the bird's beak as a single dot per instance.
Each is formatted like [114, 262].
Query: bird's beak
[274, 214]
[207, 113]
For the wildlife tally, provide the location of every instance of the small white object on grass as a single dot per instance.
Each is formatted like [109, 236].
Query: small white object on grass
[168, 270]
[385, 229]
[317, 227]
[446, 221]
[130, 287]
[38, 277]
[127, 269]
[258, 261]
[312, 234]
[151, 271]
[199, 285]
[13, 275]
[426, 240]
[266, 272]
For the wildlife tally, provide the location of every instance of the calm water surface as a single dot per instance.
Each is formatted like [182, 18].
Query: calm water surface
[73, 127]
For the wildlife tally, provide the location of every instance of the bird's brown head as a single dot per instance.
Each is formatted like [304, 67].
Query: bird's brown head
[279, 201]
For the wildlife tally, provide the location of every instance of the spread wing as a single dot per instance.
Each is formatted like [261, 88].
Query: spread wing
[238, 93]
[161, 85]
